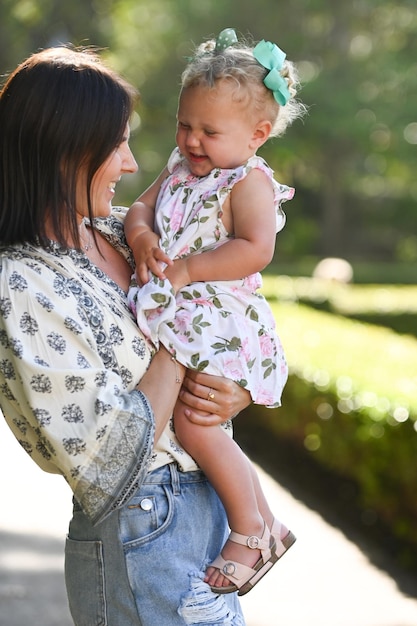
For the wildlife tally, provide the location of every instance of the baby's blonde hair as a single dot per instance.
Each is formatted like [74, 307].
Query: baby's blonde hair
[236, 63]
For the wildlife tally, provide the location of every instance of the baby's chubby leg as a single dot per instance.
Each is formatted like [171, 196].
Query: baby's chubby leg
[230, 472]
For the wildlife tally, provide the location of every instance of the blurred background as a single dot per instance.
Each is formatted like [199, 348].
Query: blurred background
[342, 284]
[352, 160]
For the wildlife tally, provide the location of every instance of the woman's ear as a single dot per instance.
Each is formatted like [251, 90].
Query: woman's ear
[261, 133]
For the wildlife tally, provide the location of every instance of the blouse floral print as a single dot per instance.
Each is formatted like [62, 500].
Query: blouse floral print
[70, 357]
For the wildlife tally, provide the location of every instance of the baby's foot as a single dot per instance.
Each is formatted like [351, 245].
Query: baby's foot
[235, 553]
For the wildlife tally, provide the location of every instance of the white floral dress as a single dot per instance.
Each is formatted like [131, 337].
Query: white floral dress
[224, 328]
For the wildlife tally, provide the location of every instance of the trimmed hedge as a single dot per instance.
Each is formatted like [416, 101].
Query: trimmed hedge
[351, 404]
[364, 272]
[393, 306]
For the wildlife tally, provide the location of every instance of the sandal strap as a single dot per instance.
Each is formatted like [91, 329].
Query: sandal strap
[252, 541]
[283, 543]
[235, 572]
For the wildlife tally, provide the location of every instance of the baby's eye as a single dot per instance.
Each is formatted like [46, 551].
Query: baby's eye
[183, 125]
[210, 133]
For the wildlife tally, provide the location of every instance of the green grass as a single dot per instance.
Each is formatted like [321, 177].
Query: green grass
[373, 364]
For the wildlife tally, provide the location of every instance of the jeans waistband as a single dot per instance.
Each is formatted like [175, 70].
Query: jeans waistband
[171, 474]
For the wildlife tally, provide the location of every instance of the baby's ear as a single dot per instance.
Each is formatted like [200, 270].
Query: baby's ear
[261, 133]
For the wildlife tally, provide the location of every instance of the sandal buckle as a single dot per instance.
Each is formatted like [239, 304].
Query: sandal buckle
[229, 568]
[253, 542]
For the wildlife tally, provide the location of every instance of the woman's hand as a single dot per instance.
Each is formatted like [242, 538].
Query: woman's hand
[212, 400]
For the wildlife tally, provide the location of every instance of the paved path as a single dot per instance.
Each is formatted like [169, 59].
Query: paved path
[325, 580]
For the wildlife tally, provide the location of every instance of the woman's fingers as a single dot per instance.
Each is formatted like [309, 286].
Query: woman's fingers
[219, 397]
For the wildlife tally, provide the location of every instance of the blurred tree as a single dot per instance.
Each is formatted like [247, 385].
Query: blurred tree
[353, 158]
[360, 78]
[27, 25]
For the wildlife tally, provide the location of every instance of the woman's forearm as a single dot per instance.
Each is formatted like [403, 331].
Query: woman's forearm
[161, 384]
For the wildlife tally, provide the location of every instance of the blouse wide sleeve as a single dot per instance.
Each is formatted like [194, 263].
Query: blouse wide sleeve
[67, 388]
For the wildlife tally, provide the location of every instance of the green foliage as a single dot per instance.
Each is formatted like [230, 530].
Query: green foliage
[364, 272]
[394, 306]
[371, 363]
[351, 403]
[351, 160]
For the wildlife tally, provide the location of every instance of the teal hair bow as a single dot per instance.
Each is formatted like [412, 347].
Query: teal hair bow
[225, 39]
[272, 58]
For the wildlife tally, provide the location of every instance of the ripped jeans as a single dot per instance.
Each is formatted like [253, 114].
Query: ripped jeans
[143, 565]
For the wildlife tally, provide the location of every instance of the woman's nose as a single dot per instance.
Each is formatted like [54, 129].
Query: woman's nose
[129, 162]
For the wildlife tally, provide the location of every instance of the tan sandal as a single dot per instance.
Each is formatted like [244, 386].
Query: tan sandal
[242, 577]
[282, 544]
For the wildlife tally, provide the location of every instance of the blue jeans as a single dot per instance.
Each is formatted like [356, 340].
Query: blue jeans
[143, 565]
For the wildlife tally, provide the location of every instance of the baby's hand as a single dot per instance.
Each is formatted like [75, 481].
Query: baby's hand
[149, 257]
[178, 274]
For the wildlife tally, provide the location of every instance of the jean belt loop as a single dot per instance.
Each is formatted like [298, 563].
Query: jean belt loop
[175, 479]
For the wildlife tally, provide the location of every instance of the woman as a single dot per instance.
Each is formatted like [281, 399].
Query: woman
[77, 387]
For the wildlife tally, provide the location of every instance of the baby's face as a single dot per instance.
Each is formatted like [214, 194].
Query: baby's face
[214, 129]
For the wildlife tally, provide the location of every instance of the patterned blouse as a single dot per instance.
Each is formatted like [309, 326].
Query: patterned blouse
[70, 357]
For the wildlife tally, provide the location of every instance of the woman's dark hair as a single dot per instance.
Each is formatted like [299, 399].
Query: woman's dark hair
[62, 112]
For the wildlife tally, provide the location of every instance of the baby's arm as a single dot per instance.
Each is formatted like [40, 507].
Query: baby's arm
[251, 250]
[140, 236]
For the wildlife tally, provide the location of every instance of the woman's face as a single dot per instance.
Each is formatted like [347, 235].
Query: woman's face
[119, 162]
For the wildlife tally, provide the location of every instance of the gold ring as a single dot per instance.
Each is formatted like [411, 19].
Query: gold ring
[210, 395]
